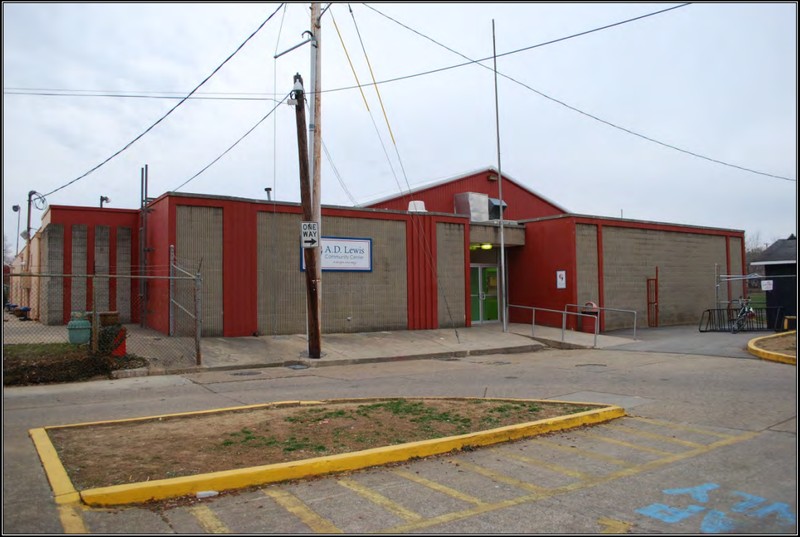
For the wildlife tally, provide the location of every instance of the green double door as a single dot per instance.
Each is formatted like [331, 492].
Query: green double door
[484, 285]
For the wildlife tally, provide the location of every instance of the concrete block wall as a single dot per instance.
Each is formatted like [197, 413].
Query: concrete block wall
[586, 260]
[102, 243]
[351, 301]
[51, 289]
[450, 275]
[199, 238]
[80, 250]
[686, 263]
[123, 283]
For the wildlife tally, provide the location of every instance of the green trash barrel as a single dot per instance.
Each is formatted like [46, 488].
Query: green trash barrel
[80, 331]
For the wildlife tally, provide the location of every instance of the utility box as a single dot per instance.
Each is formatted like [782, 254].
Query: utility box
[472, 204]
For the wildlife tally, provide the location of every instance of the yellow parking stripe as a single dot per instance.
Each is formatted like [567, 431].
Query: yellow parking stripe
[655, 436]
[453, 493]
[680, 427]
[496, 476]
[557, 468]
[584, 453]
[380, 499]
[208, 520]
[627, 444]
[307, 516]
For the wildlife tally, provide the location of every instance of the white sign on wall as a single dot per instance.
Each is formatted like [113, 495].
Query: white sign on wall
[766, 285]
[561, 279]
[344, 254]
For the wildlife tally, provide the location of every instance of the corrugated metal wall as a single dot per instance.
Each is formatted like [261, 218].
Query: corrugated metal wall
[199, 238]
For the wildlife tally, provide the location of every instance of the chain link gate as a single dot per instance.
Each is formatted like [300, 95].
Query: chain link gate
[115, 320]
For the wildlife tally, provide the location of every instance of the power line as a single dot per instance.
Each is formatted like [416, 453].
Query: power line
[171, 109]
[245, 135]
[574, 109]
[130, 95]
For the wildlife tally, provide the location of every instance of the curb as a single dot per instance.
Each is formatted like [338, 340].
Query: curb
[752, 348]
[322, 362]
[65, 492]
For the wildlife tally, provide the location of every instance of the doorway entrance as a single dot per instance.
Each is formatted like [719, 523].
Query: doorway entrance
[483, 285]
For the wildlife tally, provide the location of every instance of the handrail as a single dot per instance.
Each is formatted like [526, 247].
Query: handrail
[608, 309]
[563, 319]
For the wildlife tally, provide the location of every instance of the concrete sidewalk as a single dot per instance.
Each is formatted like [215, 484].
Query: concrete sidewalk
[367, 347]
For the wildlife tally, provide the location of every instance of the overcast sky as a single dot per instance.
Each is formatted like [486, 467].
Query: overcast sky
[586, 122]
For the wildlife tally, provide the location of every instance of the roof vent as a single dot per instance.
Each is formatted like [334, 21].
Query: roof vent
[416, 206]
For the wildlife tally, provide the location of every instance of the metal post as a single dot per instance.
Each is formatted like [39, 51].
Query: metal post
[95, 317]
[503, 297]
[171, 289]
[198, 321]
[17, 210]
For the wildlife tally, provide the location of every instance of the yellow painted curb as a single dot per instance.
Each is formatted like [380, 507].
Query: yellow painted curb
[272, 473]
[752, 348]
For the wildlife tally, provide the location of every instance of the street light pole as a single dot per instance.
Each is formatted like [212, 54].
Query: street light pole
[16, 209]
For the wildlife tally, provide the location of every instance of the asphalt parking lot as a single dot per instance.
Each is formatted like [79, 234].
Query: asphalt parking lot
[708, 446]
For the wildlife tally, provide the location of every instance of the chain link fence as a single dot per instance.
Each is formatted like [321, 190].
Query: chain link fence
[151, 317]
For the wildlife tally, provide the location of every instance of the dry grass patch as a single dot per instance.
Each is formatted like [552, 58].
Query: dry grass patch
[133, 451]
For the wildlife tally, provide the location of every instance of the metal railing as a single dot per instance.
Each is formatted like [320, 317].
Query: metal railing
[607, 309]
[722, 319]
[564, 314]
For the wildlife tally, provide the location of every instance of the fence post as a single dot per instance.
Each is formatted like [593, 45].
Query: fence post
[95, 317]
[197, 317]
[171, 289]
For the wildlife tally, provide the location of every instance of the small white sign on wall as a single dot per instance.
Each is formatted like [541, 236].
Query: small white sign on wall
[561, 279]
[766, 285]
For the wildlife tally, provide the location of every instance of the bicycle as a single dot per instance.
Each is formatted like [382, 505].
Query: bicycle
[746, 313]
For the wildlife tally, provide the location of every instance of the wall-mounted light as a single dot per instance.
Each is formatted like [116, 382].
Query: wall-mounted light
[105, 199]
[486, 246]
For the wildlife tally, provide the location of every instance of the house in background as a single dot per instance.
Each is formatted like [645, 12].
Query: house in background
[780, 280]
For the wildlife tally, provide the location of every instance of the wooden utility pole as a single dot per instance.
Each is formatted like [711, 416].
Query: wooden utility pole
[310, 254]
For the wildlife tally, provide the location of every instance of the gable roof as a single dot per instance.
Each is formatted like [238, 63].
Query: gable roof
[780, 252]
[490, 169]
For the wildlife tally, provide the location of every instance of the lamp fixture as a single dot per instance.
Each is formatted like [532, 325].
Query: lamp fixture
[486, 246]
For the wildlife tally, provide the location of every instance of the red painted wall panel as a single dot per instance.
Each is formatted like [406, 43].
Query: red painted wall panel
[92, 217]
[549, 247]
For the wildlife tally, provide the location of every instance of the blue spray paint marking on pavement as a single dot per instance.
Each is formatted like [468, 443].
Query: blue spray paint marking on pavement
[715, 521]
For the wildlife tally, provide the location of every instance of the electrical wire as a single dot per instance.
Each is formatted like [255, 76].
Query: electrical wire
[73, 93]
[259, 122]
[574, 109]
[415, 217]
[151, 127]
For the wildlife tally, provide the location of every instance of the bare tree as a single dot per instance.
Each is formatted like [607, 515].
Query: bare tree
[8, 256]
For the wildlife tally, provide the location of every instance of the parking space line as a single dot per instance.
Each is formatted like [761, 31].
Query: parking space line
[584, 453]
[626, 444]
[557, 468]
[379, 499]
[655, 436]
[453, 493]
[307, 516]
[208, 520]
[497, 476]
[680, 427]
